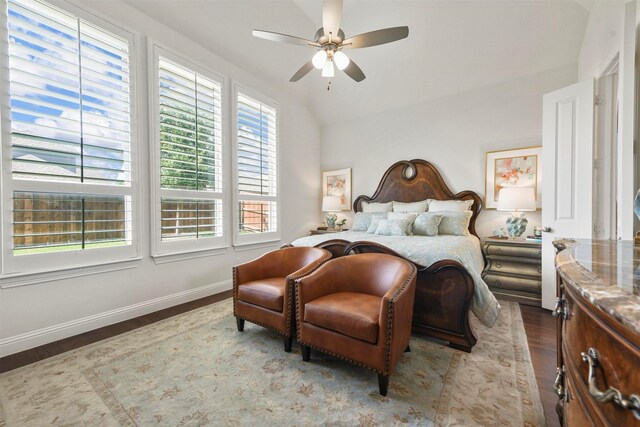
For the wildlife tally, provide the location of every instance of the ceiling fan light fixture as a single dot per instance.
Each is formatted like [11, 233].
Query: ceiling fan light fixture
[319, 59]
[341, 60]
[327, 70]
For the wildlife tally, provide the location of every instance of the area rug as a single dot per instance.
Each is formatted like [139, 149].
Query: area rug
[196, 369]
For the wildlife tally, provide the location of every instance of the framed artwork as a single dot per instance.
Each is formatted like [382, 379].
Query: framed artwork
[519, 167]
[338, 183]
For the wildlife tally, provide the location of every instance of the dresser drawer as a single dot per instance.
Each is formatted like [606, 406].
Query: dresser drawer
[618, 358]
[523, 266]
[513, 283]
[513, 250]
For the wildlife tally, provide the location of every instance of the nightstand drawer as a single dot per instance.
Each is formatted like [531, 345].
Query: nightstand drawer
[513, 266]
[513, 283]
[513, 250]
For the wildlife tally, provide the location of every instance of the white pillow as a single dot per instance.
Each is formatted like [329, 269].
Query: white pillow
[409, 217]
[392, 227]
[418, 207]
[455, 223]
[374, 224]
[449, 205]
[426, 224]
[377, 207]
[362, 220]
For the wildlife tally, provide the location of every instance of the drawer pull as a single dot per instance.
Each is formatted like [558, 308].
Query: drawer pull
[611, 394]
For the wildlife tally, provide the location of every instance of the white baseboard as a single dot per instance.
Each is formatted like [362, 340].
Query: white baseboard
[57, 332]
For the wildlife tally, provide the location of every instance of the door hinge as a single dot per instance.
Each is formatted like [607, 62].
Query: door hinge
[599, 100]
[596, 164]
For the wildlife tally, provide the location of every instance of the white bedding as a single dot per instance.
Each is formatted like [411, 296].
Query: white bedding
[425, 251]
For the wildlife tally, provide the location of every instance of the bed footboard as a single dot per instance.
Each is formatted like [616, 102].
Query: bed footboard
[443, 297]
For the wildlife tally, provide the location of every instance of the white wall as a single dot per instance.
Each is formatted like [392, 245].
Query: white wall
[34, 314]
[453, 133]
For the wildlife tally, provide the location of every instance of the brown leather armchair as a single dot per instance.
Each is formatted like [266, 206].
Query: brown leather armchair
[358, 308]
[263, 288]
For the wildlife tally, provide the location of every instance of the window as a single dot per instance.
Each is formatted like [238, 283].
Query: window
[188, 156]
[256, 155]
[68, 150]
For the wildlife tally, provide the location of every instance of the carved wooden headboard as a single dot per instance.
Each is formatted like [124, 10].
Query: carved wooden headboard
[415, 180]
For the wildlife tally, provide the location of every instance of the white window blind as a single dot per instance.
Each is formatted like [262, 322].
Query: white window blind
[71, 140]
[190, 146]
[257, 166]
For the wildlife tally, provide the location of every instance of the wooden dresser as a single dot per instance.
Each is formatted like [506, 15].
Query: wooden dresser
[513, 270]
[598, 312]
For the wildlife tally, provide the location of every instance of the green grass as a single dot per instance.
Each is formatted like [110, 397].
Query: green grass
[30, 251]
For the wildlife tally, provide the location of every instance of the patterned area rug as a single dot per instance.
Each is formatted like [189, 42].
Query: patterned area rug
[196, 369]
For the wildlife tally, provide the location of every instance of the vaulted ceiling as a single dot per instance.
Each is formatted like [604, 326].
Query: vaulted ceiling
[453, 46]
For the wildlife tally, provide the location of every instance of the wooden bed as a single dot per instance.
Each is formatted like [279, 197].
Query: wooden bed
[444, 289]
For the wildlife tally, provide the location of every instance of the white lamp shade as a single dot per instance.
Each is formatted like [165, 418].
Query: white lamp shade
[341, 60]
[319, 59]
[517, 199]
[327, 70]
[331, 203]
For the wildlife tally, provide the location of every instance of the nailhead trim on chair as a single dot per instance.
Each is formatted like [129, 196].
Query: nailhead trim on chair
[392, 300]
[388, 337]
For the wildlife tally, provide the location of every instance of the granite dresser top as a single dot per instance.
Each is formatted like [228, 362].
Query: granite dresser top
[607, 273]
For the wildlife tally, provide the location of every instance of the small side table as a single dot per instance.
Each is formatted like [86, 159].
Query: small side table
[514, 270]
[314, 232]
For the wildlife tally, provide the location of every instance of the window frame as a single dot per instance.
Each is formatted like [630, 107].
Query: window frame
[12, 265]
[258, 238]
[187, 248]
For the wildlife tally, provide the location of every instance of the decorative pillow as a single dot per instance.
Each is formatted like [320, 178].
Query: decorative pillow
[362, 220]
[409, 217]
[410, 207]
[377, 207]
[455, 223]
[426, 224]
[374, 223]
[392, 227]
[449, 205]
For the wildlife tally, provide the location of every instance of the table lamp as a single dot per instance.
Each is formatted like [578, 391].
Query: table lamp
[516, 200]
[331, 204]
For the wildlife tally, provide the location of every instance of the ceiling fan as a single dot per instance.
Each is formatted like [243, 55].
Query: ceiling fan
[330, 40]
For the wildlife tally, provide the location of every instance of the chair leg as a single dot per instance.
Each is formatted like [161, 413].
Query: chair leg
[288, 342]
[383, 384]
[240, 324]
[306, 352]
[407, 350]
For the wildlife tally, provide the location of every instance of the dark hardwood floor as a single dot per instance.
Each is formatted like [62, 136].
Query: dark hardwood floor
[539, 326]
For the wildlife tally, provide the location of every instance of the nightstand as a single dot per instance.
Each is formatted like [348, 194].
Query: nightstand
[514, 270]
[314, 232]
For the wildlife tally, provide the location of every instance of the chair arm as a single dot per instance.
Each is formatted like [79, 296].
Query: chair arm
[396, 315]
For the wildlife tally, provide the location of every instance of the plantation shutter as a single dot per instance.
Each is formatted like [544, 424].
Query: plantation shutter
[70, 113]
[190, 133]
[257, 135]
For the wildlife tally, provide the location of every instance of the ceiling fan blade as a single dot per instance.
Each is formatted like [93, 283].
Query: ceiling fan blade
[354, 71]
[331, 16]
[283, 38]
[377, 37]
[303, 71]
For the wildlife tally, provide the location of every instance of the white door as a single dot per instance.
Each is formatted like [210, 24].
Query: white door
[567, 173]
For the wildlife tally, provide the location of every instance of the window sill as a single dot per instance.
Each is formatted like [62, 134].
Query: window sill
[23, 279]
[241, 247]
[181, 256]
